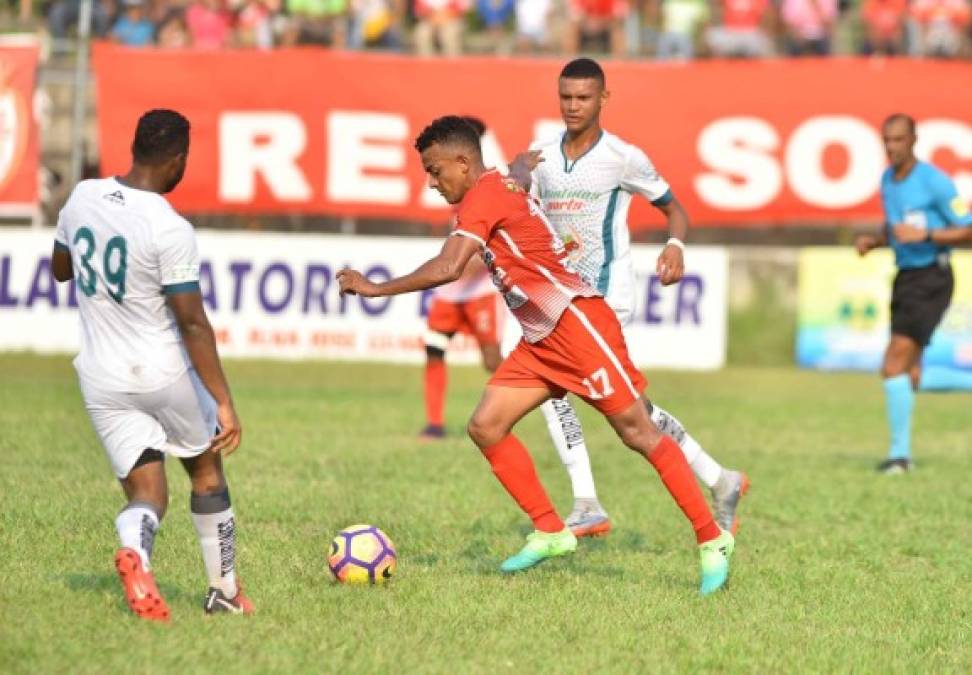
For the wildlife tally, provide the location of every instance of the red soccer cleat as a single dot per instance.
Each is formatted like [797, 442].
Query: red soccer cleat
[141, 593]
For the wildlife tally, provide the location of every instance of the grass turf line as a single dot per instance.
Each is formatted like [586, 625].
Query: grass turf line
[836, 569]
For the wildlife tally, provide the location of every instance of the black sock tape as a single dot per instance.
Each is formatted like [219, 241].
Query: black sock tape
[212, 502]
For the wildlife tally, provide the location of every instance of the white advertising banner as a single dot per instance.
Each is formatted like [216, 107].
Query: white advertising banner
[275, 296]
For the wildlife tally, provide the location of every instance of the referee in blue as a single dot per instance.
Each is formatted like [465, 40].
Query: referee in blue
[924, 215]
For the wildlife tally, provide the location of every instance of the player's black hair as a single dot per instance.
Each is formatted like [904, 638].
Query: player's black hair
[476, 124]
[159, 136]
[584, 69]
[448, 130]
[900, 117]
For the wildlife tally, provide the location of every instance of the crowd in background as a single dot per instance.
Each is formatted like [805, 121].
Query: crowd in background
[664, 29]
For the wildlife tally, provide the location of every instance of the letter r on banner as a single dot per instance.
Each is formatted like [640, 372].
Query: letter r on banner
[265, 143]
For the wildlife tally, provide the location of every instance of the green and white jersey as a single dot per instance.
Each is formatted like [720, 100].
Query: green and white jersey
[587, 202]
[129, 249]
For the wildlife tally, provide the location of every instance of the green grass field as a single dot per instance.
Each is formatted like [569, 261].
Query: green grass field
[836, 569]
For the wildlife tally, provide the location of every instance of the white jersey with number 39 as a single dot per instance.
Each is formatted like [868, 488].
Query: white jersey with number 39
[129, 248]
[587, 202]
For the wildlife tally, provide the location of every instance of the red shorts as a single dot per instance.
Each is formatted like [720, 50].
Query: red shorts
[585, 354]
[480, 317]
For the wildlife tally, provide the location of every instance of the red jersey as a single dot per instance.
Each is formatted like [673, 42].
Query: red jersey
[524, 254]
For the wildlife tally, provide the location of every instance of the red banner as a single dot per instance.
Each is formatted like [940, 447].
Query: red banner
[755, 142]
[18, 132]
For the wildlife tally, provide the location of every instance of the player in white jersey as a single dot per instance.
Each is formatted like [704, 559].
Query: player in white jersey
[585, 180]
[148, 368]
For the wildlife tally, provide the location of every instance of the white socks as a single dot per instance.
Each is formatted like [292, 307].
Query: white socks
[213, 517]
[567, 435]
[137, 524]
[705, 468]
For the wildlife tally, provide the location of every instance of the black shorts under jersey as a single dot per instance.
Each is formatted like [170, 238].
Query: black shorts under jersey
[919, 299]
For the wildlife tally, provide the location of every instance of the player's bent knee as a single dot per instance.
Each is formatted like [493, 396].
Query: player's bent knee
[640, 438]
[483, 433]
[146, 487]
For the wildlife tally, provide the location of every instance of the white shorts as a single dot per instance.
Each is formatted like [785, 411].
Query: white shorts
[179, 420]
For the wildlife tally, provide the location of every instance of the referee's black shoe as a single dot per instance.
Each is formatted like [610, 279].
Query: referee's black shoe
[891, 467]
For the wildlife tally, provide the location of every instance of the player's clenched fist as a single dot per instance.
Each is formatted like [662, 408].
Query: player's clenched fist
[864, 243]
[671, 265]
[353, 282]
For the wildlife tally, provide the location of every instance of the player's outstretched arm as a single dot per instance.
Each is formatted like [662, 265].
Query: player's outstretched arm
[671, 261]
[61, 266]
[200, 342]
[443, 268]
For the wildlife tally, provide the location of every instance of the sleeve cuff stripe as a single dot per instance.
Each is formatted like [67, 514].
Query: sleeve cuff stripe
[184, 287]
[664, 199]
[463, 233]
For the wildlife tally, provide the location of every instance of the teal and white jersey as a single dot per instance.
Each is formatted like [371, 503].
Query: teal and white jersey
[129, 249]
[587, 202]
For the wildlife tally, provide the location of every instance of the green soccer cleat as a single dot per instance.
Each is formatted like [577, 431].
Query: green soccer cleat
[539, 547]
[714, 562]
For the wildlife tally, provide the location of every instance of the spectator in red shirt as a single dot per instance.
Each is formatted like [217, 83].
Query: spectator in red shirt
[210, 25]
[439, 21]
[741, 32]
[884, 22]
[596, 25]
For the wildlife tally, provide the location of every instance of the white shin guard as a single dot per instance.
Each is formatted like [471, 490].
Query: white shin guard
[137, 524]
[568, 437]
[706, 469]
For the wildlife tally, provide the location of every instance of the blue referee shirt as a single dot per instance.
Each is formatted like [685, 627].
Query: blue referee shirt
[925, 198]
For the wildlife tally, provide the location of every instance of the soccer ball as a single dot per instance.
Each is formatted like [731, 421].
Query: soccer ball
[362, 554]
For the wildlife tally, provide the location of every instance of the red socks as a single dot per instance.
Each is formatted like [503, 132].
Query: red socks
[669, 462]
[513, 466]
[435, 389]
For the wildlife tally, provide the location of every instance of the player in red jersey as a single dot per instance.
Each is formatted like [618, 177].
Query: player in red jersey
[468, 305]
[572, 342]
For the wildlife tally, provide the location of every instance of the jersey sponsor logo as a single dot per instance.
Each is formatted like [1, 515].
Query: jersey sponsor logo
[959, 207]
[515, 297]
[512, 295]
[512, 185]
[115, 197]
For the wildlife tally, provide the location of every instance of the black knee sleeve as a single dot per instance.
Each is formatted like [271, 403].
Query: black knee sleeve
[210, 502]
[434, 353]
